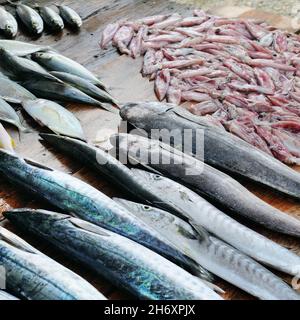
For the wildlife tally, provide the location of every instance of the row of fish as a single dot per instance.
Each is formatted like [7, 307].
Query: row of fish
[32, 76]
[35, 20]
[211, 240]
[241, 75]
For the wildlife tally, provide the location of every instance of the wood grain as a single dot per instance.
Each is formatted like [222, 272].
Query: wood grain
[121, 74]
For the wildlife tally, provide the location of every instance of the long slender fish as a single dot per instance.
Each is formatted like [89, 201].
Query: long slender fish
[73, 195]
[60, 91]
[19, 48]
[12, 92]
[57, 62]
[121, 260]
[70, 16]
[207, 181]
[55, 117]
[30, 18]
[179, 200]
[8, 114]
[217, 256]
[51, 18]
[32, 275]
[6, 296]
[8, 24]
[221, 149]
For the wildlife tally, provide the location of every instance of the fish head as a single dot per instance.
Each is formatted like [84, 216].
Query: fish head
[41, 55]
[140, 112]
[41, 221]
[134, 207]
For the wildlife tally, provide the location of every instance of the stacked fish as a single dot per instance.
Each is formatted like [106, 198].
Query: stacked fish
[241, 75]
[29, 71]
[34, 21]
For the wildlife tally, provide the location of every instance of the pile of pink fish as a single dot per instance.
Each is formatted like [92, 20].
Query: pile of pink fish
[241, 75]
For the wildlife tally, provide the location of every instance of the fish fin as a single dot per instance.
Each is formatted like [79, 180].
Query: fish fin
[37, 165]
[88, 227]
[203, 235]
[183, 113]
[15, 241]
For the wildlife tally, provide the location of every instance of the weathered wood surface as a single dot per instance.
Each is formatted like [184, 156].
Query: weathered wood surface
[121, 74]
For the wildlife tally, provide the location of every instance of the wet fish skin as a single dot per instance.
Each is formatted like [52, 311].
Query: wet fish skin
[123, 261]
[201, 213]
[59, 91]
[87, 87]
[19, 48]
[8, 114]
[6, 296]
[8, 24]
[11, 91]
[71, 17]
[30, 18]
[33, 276]
[221, 150]
[6, 142]
[73, 195]
[218, 257]
[55, 117]
[51, 18]
[56, 62]
[209, 182]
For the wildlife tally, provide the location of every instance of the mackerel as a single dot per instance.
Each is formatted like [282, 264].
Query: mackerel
[19, 48]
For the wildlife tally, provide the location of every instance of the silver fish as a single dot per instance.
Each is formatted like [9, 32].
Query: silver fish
[51, 18]
[207, 181]
[6, 296]
[201, 213]
[8, 24]
[221, 149]
[55, 117]
[30, 18]
[73, 195]
[71, 17]
[124, 262]
[6, 142]
[32, 275]
[53, 61]
[217, 256]
[19, 48]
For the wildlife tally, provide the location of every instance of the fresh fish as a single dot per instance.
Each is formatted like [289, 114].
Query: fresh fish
[22, 68]
[8, 24]
[6, 296]
[70, 16]
[8, 114]
[51, 19]
[59, 91]
[207, 181]
[19, 48]
[33, 276]
[56, 62]
[13, 92]
[221, 149]
[124, 262]
[108, 34]
[6, 142]
[55, 117]
[217, 256]
[73, 195]
[201, 213]
[87, 87]
[30, 18]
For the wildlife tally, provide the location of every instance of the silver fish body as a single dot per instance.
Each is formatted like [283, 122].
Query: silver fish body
[30, 18]
[124, 262]
[203, 214]
[71, 17]
[207, 181]
[55, 117]
[51, 18]
[32, 275]
[19, 48]
[221, 149]
[6, 141]
[6, 296]
[217, 256]
[53, 61]
[73, 195]
[8, 24]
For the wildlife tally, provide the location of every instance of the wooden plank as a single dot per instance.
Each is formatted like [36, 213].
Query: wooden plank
[122, 76]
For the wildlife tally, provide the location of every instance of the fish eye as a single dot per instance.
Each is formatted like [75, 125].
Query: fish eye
[157, 177]
[146, 208]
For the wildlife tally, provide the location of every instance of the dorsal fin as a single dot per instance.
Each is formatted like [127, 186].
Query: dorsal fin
[88, 227]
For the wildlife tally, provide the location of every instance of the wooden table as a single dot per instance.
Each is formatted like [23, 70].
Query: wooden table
[121, 74]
